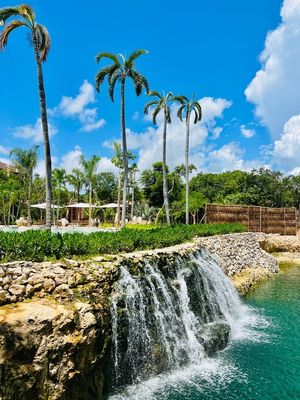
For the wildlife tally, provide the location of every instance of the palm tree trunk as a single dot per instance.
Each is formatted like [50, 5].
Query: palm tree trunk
[90, 205]
[187, 177]
[119, 198]
[44, 119]
[165, 179]
[132, 201]
[29, 221]
[125, 156]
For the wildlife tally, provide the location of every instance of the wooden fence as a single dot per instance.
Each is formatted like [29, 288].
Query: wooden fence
[256, 219]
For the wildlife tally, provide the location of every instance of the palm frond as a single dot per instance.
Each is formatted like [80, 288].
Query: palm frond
[27, 12]
[44, 41]
[181, 99]
[149, 104]
[139, 82]
[8, 29]
[7, 12]
[154, 93]
[112, 83]
[133, 56]
[180, 112]
[155, 114]
[110, 56]
[195, 106]
[101, 75]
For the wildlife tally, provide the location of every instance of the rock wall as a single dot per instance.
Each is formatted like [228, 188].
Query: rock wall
[55, 318]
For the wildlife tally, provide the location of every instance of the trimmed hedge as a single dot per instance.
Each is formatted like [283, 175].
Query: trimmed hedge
[42, 245]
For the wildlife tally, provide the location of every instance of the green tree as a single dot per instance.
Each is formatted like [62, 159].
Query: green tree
[40, 40]
[90, 170]
[186, 109]
[26, 161]
[162, 103]
[119, 71]
[106, 187]
[59, 178]
[118, 161]
[76, 179]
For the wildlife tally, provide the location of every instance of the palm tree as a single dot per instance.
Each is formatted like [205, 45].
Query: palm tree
[59, 180]
[40, 39]
[162, 103]
[76, 180]
[185, 110]
[26, 161]
[119, 71]
[90, 168]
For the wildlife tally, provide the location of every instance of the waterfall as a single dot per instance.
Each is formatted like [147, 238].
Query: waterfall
[167, 317]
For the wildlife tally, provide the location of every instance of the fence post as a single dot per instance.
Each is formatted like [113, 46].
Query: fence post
[260, 219]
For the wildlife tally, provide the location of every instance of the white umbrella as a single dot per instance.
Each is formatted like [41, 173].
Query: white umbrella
[42, 206]
[110, 205]
[81, 205]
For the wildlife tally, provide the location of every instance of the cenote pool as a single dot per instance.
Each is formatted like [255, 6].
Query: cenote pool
[262, 362]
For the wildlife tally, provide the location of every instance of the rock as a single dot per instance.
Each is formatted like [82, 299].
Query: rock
[62, 291]
[49, 285]
[2, 273]
[29, 289]
[17, 290]
[3, 295]
[217, 337]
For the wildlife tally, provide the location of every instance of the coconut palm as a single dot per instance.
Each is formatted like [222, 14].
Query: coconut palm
[185, 110]
[40, 39]
[76, 179]
[59, 180]
[121, 69]
[25, 161]
[162, 103]
[90, 169]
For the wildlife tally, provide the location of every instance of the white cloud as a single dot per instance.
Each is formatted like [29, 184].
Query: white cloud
[148, 144]
[247, 133]
[78, 107]
[33, 132]
[229, 157]
[4, 150]
[286, 150]
[274, 90]
[71, 159]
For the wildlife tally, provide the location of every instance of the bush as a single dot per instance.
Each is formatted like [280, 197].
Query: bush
[42, 245]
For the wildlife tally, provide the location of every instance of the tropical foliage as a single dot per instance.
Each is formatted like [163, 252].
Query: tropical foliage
[39, 245]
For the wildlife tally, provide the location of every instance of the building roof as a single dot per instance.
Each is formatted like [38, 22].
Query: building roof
[8, 167]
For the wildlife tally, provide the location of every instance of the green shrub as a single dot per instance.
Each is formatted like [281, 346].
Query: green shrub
[42, 245]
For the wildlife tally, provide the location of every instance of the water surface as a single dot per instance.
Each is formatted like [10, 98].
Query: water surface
[262, 362]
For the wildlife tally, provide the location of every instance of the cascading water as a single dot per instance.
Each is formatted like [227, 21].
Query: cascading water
[169, 317]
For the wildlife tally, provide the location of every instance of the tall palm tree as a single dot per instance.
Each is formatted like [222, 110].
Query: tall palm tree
[40, 39]
[59, 180]
[162, 103]
[26, 161]
[185, 110]
[90, 168]
[121, 69]
[76, 179]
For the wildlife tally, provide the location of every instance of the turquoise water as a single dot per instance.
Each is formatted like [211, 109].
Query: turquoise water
[262, 362]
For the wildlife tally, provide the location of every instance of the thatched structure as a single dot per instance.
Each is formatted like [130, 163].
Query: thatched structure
[256, 219]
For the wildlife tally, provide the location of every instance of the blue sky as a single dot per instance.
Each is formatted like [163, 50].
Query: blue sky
[210, 48]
